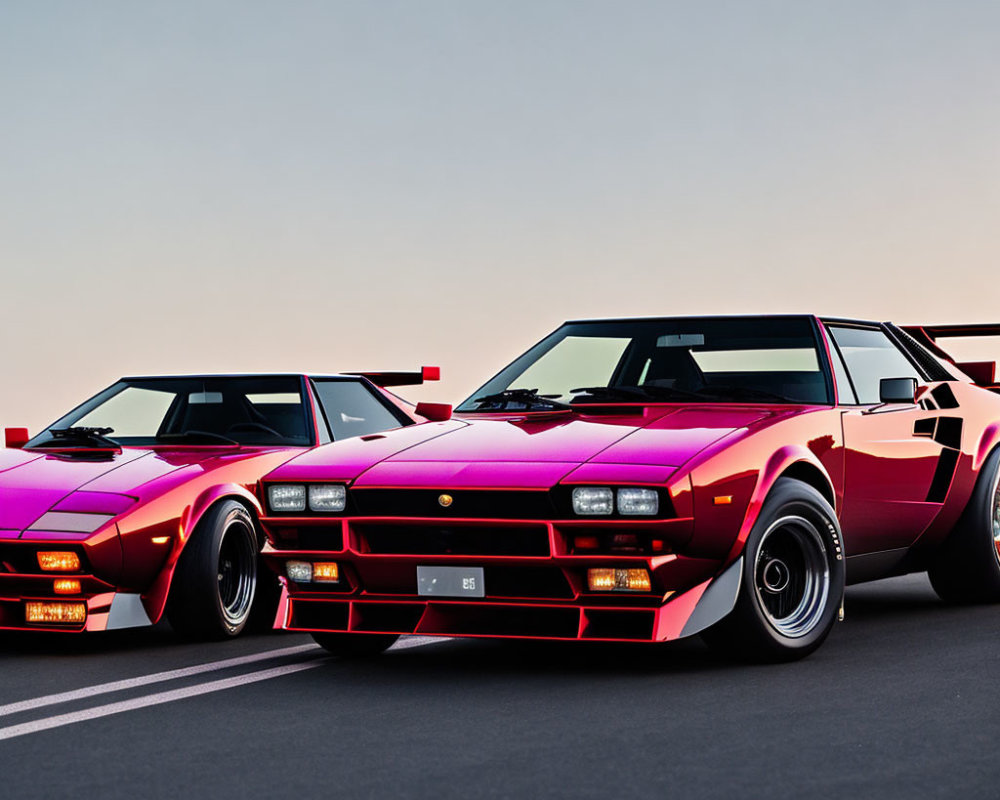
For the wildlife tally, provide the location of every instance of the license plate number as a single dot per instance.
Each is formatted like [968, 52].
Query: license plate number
[450, 582]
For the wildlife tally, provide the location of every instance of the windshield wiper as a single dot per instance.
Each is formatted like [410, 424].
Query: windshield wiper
[529, 397]
[197, 436]
[744, 393]
[82, 437]
[636, 393]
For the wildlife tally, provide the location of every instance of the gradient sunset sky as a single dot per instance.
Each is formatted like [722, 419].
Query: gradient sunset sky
[240, 186]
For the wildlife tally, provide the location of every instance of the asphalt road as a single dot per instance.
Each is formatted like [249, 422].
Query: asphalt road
[902, 701]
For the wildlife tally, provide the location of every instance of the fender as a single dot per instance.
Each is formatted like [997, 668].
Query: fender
[777, 465]
[155, 599]
[987, 444]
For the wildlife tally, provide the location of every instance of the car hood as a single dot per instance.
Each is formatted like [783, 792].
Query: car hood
[536, 451]
[33, 483]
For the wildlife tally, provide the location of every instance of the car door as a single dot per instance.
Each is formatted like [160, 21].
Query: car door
[890, 462]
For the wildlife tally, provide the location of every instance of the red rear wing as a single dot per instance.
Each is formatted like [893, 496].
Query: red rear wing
[983, 373]
[401, 378]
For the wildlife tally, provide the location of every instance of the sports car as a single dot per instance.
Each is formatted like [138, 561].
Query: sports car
[140, 501]
[651, 479]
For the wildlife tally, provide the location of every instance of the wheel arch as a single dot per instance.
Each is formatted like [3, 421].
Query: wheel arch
[155, 600]
[792, 461]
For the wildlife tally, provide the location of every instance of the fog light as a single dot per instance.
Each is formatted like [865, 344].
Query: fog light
[327, 497]
[65, 613]
[593, 501]
[325, 572]
[612, 579]
[644, 502]
[59, 561]
[288, 497]
[299, 571]
[66, 586]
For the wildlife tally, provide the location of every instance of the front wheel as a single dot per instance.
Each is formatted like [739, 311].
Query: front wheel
[215, 581]
[355, 645]
[792, 583]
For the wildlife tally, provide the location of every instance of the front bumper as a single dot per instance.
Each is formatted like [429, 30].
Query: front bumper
[539, 591]
[22, 583]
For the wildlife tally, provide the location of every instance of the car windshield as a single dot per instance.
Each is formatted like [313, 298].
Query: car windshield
[694, 360]
[187, 411]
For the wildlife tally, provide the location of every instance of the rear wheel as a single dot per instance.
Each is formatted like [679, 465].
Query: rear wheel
[793, 579]
[967, 567]
[355, 645]
[215, 582]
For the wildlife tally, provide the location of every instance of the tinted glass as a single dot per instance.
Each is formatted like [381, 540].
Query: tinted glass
[198, 411]
[713, 359]
[352, 410]
[870, 356]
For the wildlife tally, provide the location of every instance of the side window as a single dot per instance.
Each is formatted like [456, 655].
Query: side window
[871, 356]
[352, 410]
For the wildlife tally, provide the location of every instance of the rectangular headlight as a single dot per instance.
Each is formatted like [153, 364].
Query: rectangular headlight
[593, 501]
[286, 497]
[59, 561]
[299, 571]
[638, 501]
[59, 613]
[327, 497]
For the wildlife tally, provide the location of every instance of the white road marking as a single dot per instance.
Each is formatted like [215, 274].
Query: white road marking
[156, 677]
[158, 698]
[155, 699]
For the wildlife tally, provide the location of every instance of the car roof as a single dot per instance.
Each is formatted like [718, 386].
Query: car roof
[225, 375]
[675, 317]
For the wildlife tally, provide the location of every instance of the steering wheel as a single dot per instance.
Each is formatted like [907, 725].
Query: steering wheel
[252, 426]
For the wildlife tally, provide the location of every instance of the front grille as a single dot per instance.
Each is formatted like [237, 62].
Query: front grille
[441, 540]
[468, 504]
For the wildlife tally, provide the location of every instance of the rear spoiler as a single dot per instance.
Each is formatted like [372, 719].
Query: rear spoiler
[401, 378]
[983, 373]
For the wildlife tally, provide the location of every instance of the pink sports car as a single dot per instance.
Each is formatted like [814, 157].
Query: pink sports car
[651, 479]
[141, 501]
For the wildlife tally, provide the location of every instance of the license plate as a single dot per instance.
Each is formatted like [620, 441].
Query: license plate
[450, 581]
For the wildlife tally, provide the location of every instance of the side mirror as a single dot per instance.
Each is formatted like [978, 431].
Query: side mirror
[15, 438]
[434, 412]
[897, 390]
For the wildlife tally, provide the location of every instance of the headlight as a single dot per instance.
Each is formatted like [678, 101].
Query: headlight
[299, 571]
[593, 501]
[327, 497]
[638, 501]
[287, 497]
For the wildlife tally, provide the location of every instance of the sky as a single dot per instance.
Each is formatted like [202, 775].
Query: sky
[332, 186]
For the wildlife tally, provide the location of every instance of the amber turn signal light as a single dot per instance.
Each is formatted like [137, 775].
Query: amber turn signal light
[59, 613]
[325, 572]
[615, 579]
[66, 586]
[59, 561]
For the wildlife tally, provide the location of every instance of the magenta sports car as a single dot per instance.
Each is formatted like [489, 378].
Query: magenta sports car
[141, 501]
[650, 479]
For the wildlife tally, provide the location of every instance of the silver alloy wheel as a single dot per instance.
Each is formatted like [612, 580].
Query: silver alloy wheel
[237, 572]
[792, 576]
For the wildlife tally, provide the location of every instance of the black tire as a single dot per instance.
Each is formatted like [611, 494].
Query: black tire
[792, 585]
[355, 645]
[216, 577]
[966, 569]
